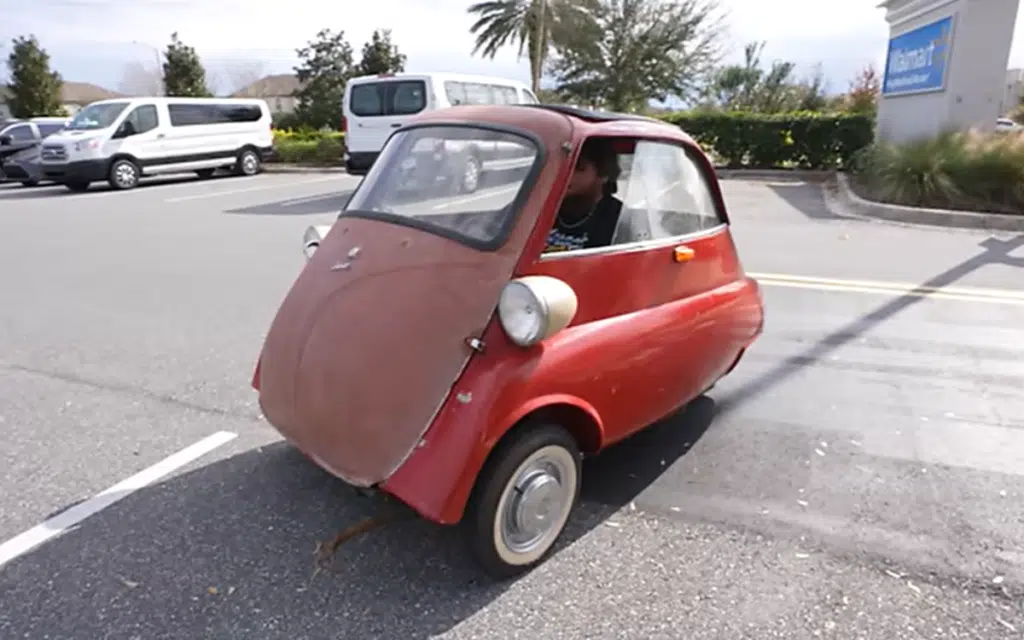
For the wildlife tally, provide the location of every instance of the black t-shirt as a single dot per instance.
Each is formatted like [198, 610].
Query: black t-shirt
[594, 231]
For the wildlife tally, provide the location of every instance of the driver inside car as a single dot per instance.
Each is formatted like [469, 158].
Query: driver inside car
[589, 213]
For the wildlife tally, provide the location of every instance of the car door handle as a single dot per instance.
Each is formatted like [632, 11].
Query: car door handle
[683, 254]
[159, 135]
[396, 125]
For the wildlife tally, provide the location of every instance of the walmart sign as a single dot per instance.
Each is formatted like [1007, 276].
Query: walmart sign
[918, 60]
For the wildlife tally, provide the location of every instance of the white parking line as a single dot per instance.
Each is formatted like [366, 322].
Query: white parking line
[231, 192]
[25, 542]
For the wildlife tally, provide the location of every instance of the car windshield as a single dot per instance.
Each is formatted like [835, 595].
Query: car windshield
[96, 116]
[459, 181]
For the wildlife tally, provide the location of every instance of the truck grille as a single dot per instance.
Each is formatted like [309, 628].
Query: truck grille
[54, 153]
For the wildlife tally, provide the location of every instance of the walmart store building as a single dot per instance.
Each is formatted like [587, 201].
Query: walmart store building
[946, 66]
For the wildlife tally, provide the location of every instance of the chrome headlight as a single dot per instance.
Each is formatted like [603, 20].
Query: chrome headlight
[533, 308]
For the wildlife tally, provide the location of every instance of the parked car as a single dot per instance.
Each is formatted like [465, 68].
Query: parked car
[20, 148]
[120, 141]
[1006, 124]
[461, 353]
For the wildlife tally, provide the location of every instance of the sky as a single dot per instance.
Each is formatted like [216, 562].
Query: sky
[95, 40]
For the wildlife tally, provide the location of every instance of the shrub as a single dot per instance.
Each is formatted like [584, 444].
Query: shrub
[808, 140]
[309, 146]
[965, 171]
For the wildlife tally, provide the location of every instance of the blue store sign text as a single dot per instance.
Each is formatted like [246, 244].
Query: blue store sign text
[918, 60]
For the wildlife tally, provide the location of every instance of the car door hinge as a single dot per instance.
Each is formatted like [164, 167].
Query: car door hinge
[476, 344]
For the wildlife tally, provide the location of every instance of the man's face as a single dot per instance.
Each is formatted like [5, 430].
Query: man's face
[585, 180]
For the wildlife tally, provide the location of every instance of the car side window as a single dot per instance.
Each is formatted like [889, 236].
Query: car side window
[664, 194]
[21, 133]
[143, 118]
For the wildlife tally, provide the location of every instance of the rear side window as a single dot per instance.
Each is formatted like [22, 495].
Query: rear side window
[186, 114]
[664, 194]
[401, 98]
[49, 129]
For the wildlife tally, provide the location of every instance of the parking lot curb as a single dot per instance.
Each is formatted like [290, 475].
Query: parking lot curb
[849, 202]
[802, 175]
[296, 168]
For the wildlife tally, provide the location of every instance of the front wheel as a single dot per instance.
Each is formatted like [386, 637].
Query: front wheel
[124, 174]
[76, 185]
[30, 183]
[523, 499]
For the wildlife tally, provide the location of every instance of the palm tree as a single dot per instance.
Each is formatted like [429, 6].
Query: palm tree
[531, 24]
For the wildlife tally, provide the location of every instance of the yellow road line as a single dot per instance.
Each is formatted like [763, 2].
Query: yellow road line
[968, 294]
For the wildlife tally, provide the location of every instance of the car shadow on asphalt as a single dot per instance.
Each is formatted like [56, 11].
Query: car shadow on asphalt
[808, 198]
[994, 250]
[50, 190]
[304, 206]
[226, 550]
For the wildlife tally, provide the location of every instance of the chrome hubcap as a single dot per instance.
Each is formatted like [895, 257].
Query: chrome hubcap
[471, 175]
[537, 501]
[124, 175]
[249, 163]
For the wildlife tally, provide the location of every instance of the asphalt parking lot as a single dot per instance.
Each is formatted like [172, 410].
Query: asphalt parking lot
[859, 475]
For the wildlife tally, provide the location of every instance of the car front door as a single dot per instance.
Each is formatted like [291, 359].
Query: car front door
[648, 302]
[144, 139]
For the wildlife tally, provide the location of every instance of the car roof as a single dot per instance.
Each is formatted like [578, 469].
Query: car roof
[547, 119]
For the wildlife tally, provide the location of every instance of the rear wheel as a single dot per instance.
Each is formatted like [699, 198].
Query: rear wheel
[471, 172]
[124, 174]
[248, 163]
[523, 498]
[29, 183]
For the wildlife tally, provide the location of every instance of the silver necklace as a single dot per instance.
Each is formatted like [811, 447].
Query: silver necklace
[575, 224]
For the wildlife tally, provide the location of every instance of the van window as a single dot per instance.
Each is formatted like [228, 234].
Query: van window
[97, 116]
[529, 98]
[143, 118]
[20, 133]
[504, 95]
[456, 92]
[185, 114]
[478, 94]
[401, 98]
[49, 129]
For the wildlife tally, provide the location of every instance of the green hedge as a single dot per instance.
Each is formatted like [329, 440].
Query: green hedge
[309, 146]
[805, 140]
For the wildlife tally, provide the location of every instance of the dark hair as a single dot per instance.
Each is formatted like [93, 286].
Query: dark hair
[601, 153]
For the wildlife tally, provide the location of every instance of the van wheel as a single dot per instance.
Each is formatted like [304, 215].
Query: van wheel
[124, 174]
[523, 498]
[248, 163]
[471, 172]
[76, 185]
[206, 173]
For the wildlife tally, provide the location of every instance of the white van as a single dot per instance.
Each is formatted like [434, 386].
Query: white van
[374, 106]
[121, 140]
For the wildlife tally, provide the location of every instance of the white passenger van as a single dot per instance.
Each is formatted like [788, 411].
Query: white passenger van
[121, 140]
[374, 106]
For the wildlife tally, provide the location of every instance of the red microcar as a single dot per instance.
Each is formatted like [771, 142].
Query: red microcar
[510, 288]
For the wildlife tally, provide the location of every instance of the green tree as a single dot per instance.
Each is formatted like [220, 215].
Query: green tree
[34, 89]
[326, 66]
[865, 89]
[184, 75]
[380, 55]
[634, 51]
[534, 26]
[749, 87]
